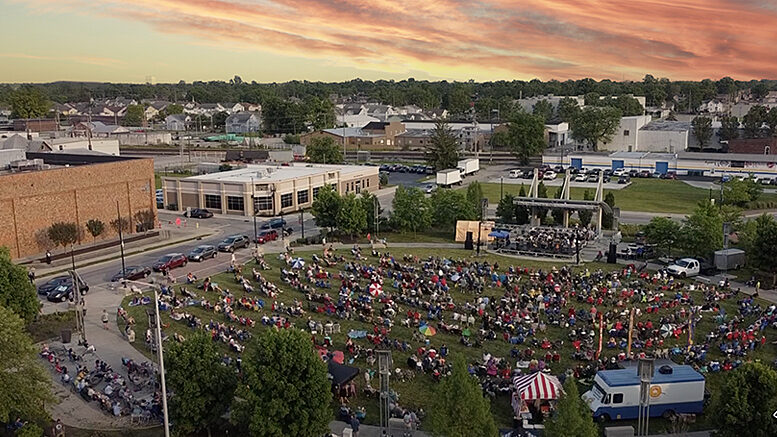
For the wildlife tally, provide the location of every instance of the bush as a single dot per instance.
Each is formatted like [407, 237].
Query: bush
[629, 231]
[30, 430]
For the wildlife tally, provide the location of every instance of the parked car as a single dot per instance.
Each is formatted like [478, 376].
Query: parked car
[658, 175]
[607, 172]
[50, 285]
[725, 178]
[234, 242]
[61, 293]
[593, 177]
[645, 173]
[132, 273]
[634, 173]
[581, 177]
[624, 179]
[549, 175]
[669, 175]
[766, 180]
[515, 174]
[266, 236]
[274, 224]
[606, 179]
[429, 189]
[170, 261]
[620, 172]
[559, 169]
[203, 252]
[684, 267]
[198, 213]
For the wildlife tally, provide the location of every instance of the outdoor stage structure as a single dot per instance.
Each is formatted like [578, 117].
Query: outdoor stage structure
[533, 201]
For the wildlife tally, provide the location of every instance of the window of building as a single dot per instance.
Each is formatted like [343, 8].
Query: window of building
[315, 192]
[367, 182]
[263, 203]
[767, 150]
[625, 133]
[286, 200]
[235, 203]
[358, 185]
[213, 201]
[303, 197]
[617, 398]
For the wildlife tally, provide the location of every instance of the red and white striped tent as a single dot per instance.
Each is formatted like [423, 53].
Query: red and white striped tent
[536, 386]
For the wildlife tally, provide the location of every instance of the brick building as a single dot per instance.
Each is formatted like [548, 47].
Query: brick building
[760, 146]
[35, 125]
[87, 188]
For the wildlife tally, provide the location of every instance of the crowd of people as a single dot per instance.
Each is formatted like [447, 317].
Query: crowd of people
[548, 240]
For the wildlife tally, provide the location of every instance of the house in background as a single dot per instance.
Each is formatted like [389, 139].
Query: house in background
[353, 115]
[243, 122]
[177, 122]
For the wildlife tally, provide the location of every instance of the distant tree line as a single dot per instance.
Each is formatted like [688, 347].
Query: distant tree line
[491, 99]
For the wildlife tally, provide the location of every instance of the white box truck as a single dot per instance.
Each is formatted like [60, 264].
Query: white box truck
[615, 394]
[468, 166]
[446, 178]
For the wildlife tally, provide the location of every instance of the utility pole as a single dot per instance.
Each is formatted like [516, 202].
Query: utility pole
[302, 222]
[161, 362]
[121, 245]
[253, 209]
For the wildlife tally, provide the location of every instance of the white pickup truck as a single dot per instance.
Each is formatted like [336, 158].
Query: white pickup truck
[685, 267]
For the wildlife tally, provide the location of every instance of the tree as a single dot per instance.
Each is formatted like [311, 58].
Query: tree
[521, 212]
[771, 122]
[729, 128]
[369, 201]
[326, 206]
[219, 120]
[285, 390]
[506, 209]
[746, 402]
[16, 292]
[702, 231]
[63, 233]
[525, 136]
[759, 90]
[449, 206]
[475, 198]
[351, 216]
[663, 232]
[411, 210]
[460, 409]
[202, 388]
[28, 102]
[95, 228]
[607, 217]
[594, 125]
[135, 115]
[324, 150]
[591, 99]
[443, 149]
[739, 193]
[763, 250]
[146, 220]
[544, 110]
[754, 120]
[123, 224]
[629, 106]
[567, 109]
[585, 215]
[291, 139]
[572, 417]
[702, 129]
[173, 109]
[26, 385]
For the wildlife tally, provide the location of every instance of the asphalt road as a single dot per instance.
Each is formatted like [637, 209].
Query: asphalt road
[98, 276]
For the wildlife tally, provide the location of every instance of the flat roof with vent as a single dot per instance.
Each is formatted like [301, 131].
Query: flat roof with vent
[277, 173]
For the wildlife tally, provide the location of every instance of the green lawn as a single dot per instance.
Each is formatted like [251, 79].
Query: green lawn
[648, 195]
[418, 392]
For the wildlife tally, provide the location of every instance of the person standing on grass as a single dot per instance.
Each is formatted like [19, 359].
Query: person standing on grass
[105, 319]
[355, 425]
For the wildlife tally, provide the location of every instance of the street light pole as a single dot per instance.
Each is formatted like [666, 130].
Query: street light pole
[161, 362]
[121, 245]
[253, 209]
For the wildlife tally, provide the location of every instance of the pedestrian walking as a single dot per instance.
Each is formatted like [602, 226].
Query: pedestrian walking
[105, 319]
[31, 275]
[355, 425]
[48, 257]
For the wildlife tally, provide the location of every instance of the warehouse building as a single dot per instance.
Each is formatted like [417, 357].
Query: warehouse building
[685, 163]
[275, 189]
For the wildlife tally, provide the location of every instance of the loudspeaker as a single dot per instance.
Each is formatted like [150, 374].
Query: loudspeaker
[468, 244]
[612, 254]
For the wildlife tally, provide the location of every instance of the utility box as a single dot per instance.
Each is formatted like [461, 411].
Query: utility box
[729, 259]
[619, 431]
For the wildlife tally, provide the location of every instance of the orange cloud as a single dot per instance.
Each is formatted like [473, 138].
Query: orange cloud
[682, 39]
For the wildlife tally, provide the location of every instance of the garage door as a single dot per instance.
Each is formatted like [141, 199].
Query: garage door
[577, 163]
[617, 163]
[662, 167]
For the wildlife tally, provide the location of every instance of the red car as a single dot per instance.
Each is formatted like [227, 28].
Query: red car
[170, 261]
[267, 236]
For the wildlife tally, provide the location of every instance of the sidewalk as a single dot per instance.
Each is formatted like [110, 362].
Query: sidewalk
[337, 428]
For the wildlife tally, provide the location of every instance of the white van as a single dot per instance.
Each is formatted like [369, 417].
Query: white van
[515, 174]
[615, 394]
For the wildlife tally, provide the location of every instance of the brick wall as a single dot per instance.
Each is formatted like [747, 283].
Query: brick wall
[31, 202]
[754, 145]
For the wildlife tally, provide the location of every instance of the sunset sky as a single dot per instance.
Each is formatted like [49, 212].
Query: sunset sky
[333, 40]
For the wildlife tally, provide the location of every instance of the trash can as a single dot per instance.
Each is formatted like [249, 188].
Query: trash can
[66, 335]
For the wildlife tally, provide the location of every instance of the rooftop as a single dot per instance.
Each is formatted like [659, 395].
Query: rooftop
[350, 132]
[667, 125]
[273, 173]
[625, 377]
